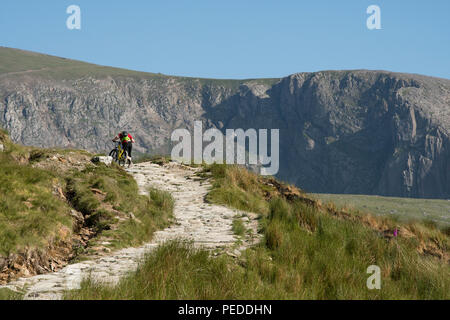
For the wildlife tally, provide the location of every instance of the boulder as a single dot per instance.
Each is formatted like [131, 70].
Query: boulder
[77, 216]
[104, 159]
[1, 148]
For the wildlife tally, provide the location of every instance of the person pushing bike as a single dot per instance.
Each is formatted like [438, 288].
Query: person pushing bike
[127, 141]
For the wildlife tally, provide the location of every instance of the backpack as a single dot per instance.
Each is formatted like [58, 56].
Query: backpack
[125, 139]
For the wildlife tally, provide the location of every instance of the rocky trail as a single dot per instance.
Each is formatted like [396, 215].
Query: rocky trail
[206, 225]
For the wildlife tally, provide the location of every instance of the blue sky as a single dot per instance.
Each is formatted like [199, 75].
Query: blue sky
[236, 39]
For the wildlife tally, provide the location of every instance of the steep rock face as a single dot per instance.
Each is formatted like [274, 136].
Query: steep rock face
[366, 132]
[88, 112]
[356, 132]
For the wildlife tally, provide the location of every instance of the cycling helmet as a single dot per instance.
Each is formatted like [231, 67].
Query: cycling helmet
[124, 134]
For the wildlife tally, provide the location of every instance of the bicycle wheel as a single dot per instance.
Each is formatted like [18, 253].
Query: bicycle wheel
[113, 154]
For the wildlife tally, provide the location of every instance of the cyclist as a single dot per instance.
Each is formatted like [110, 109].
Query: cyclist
[127, 140]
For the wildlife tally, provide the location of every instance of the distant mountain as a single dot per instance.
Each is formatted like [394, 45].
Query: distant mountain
[362, 132]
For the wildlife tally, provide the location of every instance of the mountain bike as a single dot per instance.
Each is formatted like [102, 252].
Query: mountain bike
[120, 156]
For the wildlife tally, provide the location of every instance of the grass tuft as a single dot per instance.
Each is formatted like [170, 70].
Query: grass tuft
[238, 227]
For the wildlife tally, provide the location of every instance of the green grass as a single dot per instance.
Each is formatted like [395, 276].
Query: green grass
[308, 252]
[301, 266]
[30, 215]
[120, 198]
[238, 227]
[326, 258]
[7, 294]
[236, 189]
[154, 213]
[405, 209]
[174, 271]
[34, 215]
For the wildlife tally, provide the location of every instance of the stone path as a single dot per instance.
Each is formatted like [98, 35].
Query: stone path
[207, 225]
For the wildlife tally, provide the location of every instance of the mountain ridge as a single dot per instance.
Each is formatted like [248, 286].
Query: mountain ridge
[34, 53]
[349, 131]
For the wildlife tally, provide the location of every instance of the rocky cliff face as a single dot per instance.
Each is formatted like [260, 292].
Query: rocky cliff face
[366, 132]
[355, 132]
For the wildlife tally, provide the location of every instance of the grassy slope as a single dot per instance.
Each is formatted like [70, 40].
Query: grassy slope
[32, 215]
[119, 200]
[309, 252]
[17, 62]
[403, 208]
